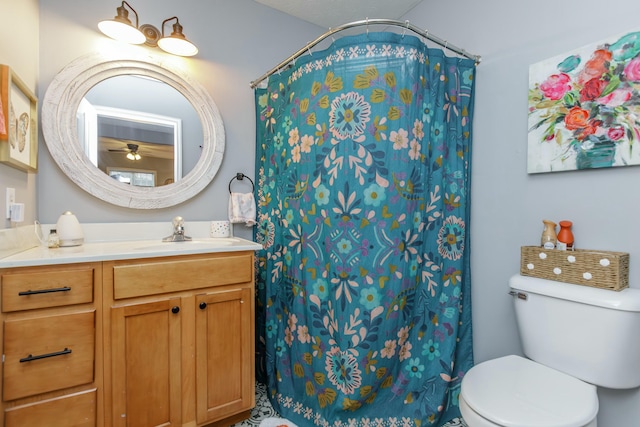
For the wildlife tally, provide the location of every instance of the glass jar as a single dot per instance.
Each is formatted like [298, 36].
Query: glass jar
[53, 241]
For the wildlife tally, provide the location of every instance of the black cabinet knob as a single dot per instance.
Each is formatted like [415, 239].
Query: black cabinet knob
[175, 309]
[203, 305]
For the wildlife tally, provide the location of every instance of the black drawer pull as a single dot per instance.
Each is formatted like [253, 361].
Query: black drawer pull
[30, 357]
[45, 291]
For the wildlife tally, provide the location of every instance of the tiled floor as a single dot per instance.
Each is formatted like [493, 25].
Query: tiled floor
[264, 410]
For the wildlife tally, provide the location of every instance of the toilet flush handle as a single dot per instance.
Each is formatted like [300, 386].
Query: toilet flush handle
[520, 295]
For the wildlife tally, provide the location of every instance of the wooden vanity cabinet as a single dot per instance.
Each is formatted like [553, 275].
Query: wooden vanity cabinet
[179, 339]
[51, 346]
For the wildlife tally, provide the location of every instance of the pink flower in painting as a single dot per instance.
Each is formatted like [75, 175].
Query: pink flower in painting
[556, 86]
[632, 70]
[616, 98]
[615, 133]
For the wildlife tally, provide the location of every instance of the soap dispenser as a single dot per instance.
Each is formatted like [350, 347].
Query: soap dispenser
[549, 238]
[69, 230]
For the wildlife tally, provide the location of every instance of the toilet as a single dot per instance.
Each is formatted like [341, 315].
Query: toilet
[574, 338]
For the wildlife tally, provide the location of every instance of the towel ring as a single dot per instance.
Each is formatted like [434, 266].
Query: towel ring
[240, 176]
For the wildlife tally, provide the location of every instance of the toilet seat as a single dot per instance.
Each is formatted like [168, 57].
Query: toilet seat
[516, 392]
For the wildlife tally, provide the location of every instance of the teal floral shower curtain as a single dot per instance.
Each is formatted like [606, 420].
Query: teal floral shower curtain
[363, 166]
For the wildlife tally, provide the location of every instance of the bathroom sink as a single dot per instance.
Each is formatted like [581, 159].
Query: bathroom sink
[186, 246]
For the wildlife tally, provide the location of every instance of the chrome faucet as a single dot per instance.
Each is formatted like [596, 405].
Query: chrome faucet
[178, 231]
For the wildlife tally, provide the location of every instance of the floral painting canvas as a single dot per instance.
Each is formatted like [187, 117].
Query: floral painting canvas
[584, 107]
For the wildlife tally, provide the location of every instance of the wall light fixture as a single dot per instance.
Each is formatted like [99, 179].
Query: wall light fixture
[121, 28]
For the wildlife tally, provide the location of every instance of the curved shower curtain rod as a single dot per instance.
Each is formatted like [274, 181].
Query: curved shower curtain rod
[406, 25]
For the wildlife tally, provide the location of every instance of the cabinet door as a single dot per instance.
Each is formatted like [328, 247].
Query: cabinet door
[224, 354]
[146, 364]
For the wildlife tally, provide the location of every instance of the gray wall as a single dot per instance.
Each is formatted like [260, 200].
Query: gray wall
[509, 205]
[238, 40]
[20, 22]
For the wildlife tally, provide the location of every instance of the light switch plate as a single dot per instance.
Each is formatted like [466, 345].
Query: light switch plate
[11, 198]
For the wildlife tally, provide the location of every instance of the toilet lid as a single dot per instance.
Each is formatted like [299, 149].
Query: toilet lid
[516, 392]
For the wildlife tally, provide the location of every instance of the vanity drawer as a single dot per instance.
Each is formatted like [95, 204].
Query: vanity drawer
[149, 277]
[78, 410]
[48, 353]
[47, 288]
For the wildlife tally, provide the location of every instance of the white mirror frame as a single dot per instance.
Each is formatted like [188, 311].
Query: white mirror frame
[59, 128]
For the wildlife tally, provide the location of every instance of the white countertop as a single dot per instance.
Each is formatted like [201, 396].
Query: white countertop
[104, 251]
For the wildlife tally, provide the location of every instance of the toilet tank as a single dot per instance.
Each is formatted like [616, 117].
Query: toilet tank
[589, 333]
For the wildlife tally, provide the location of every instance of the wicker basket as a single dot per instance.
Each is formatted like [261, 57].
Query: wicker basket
[598, 269]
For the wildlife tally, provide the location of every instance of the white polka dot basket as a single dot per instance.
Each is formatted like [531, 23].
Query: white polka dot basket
[599, 269]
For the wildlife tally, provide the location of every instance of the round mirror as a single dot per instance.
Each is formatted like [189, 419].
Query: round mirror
[131, 127]
[173, 118]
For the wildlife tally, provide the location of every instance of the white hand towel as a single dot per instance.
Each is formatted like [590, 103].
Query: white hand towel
[242, 208]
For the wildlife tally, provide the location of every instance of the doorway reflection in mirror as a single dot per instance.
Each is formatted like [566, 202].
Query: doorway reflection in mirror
[133, 118]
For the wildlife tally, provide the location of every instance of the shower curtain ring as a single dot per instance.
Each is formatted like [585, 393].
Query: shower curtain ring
[405, 28]
[333, 39]
[367, 26]
[309, 49]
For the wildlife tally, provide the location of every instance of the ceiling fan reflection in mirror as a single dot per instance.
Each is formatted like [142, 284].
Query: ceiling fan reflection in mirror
[131, 150]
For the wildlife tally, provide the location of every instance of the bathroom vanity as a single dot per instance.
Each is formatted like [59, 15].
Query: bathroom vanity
[129, 334]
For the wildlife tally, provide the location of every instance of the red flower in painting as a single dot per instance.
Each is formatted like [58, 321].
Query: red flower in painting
[592, 89]
[590, 129]
[596, 66]
[576, 118]
[556, 86]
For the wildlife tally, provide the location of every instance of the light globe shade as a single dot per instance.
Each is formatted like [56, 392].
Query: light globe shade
[177, 46]
[122, 32]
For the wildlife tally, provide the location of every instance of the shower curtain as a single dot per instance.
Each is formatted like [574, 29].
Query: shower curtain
[363, 163]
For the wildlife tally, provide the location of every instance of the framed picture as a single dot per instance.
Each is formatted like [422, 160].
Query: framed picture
[18, 122]
[584, 107]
